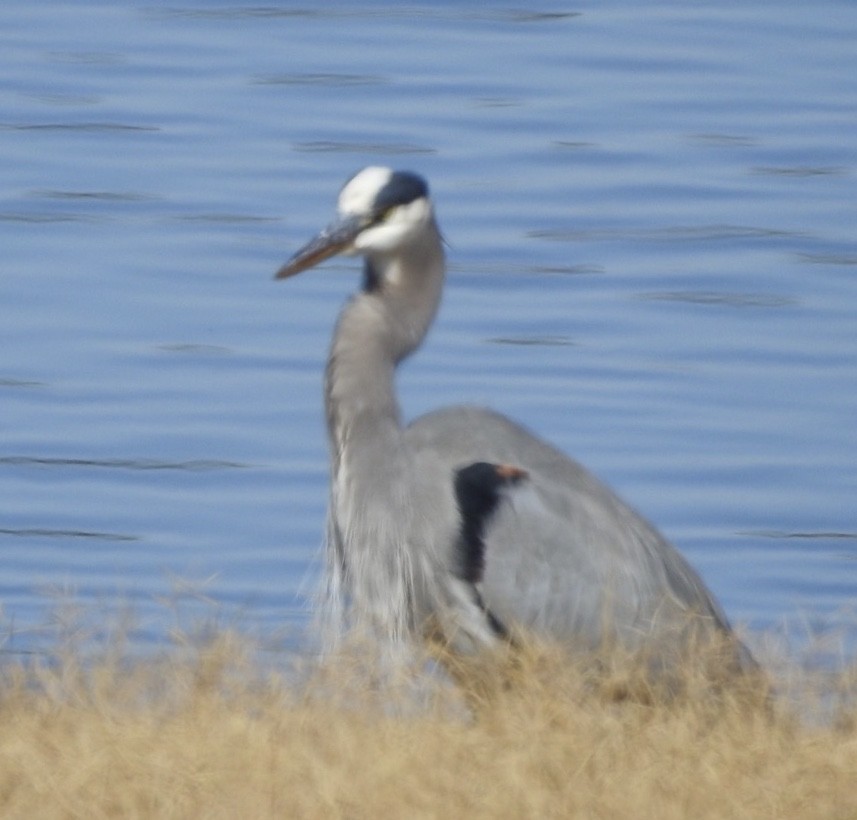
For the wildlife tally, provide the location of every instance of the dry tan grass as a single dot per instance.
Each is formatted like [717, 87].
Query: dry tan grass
[210, 736]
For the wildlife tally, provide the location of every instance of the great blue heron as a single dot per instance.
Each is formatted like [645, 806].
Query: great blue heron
[568, 560]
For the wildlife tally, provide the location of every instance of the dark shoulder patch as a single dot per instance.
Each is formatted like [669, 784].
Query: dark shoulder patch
[476, 494]
[477, 491]
[469, 559]
[404, 187]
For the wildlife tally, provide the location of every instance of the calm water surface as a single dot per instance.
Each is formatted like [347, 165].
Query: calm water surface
[651, 215]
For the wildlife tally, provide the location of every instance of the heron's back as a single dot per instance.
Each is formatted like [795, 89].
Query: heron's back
[568, 558]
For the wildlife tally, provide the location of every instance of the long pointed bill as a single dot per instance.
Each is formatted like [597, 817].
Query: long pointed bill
[335, 238]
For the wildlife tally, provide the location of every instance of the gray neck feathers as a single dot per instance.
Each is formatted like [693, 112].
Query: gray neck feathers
[379, 327]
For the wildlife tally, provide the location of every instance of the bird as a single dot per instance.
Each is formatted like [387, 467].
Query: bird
[568, 562]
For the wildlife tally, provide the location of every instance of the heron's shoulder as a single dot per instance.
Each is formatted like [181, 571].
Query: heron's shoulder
[466, 433]
[560, 489]
[477, 424]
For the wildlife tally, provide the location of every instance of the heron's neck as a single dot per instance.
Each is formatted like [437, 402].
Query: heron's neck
[378, 328]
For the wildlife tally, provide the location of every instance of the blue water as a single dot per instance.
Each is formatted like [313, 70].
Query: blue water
[651, 216]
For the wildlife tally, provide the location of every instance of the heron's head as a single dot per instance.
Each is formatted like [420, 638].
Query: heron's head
[379, 211]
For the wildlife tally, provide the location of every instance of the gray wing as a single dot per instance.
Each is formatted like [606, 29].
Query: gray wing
[567, 558]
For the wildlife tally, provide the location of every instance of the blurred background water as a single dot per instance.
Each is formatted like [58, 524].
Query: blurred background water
[651, 215]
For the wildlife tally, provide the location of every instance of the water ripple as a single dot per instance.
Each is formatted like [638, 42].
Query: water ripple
[799, 170]
[784, 534]
[195, 348]
[701, 297]
[77, 126]
[94, 535]
[103, 196]
[827, 258]
[389, 13]
[681, 233]
[194, 465]
[229, 13]
[43, 218]
[20, 383]
[526, 341]
[328, 80]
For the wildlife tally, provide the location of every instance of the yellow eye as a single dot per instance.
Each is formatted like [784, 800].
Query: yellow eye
[386, 213]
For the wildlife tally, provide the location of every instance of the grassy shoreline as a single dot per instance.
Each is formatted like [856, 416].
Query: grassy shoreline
[208, 734]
